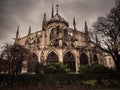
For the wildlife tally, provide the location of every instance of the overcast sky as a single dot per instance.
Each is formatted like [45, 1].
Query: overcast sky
[30, 13]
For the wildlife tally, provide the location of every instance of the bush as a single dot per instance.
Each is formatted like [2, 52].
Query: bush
[90, 83]
[110, 83]
[40, 68]
[56, 68]
[95, 68]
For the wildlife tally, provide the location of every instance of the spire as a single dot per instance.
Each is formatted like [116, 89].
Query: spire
[44, 17]
[52, 10]
[86, 27]
[74, 23]
[17, 33]
[86, 32]
[44, 21]
[57, 8]
[29, 30]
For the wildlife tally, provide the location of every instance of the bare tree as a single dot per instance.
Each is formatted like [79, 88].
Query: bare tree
[106, 34]
[14, 56]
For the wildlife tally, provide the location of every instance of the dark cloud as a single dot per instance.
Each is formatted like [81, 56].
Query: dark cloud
[87, 10]
[30, 12]
[11, 12]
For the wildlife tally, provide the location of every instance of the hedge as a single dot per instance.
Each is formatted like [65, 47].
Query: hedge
[88, 79]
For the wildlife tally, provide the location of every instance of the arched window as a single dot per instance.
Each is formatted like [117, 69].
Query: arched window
[58, 30]
[69, 60]
[65, 32]
[95, 59]
[83, 59]
[52, 57]
[53, 33]
[32, 63]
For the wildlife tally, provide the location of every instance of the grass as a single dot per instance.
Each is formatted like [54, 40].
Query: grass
[69, 87]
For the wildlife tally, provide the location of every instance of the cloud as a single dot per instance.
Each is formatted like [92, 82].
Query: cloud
[30, 12]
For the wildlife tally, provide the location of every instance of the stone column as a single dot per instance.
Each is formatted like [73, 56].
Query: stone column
[60, 55]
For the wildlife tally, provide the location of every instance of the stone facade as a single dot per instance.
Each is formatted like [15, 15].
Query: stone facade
[56, 42]
[108, 61]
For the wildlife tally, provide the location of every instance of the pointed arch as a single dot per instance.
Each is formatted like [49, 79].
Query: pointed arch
[42, 57]
[83, 59]
[69, 60]
[68, 51]
[32, 62]
[52, 57]
[51, 33]
[53, 50]
[34, 56]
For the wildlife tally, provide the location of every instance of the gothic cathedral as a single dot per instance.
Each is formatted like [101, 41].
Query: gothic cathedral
[56, 42]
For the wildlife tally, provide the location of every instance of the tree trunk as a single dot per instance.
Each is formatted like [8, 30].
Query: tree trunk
[9, 68]
[117, 63]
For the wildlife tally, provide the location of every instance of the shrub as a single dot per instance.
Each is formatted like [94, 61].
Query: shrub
[110, 83]
[56, 68]
[95, 68]
[40, 68]
[90, 83]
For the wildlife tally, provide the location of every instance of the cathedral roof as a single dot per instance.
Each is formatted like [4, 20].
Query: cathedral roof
[57, 18]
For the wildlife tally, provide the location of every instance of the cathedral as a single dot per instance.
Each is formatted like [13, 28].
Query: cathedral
[56, 42]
